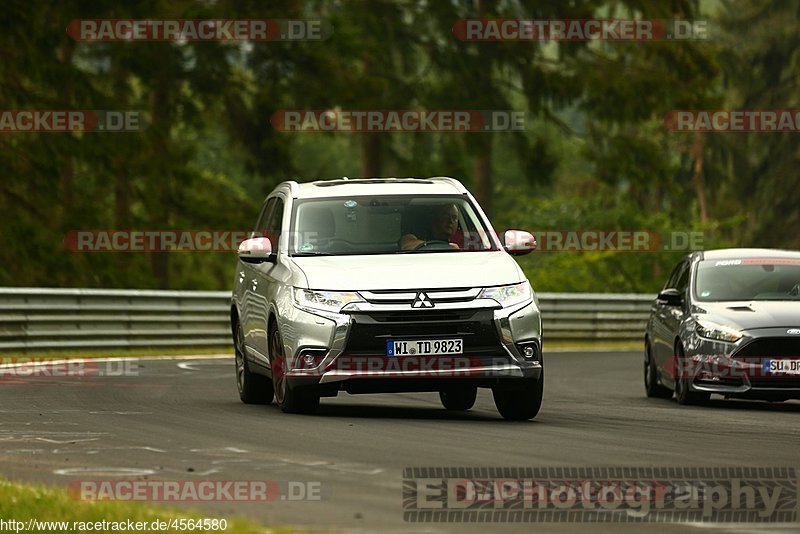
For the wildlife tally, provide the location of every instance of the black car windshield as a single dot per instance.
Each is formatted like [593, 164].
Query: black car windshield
[748, 279]
[393, 224]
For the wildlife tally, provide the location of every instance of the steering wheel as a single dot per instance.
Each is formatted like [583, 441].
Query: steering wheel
[434, 244]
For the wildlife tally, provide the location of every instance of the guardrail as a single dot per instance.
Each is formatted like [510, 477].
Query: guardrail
[42, 318]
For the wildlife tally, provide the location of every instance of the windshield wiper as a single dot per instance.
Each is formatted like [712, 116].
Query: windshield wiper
[430, 251]
[296, 254]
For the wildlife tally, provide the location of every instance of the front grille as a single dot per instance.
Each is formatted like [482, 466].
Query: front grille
[720, 381]
[775, 382]
[436, 296]
[370, 331]
[421, 316]
[771, 347]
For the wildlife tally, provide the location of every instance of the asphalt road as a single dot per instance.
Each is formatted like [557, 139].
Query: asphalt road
[181, 419]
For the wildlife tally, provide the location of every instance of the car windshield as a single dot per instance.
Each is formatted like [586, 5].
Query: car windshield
[748, 279]
[393, 224]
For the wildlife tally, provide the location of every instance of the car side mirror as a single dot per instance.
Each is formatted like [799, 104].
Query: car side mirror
[671, 297]
[518, 242]
[256, 250]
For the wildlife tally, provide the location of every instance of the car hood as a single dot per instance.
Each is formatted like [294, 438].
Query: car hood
[410, 271]
[748, 315]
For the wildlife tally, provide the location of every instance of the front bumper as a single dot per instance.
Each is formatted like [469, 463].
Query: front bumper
[742, 369]
[347, 351]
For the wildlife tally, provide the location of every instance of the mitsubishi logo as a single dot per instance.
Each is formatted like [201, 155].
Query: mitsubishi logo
[422, 301]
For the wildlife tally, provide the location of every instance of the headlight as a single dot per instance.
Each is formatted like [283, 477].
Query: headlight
[717, 332]
[328, 301]
[508, 295]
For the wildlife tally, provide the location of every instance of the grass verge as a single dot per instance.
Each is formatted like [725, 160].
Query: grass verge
[591, 346]
[25, 502]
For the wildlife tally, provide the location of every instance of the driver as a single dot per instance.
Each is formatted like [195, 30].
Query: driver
[444, 222]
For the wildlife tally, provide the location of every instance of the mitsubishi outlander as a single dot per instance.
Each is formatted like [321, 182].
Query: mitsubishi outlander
[384, 285]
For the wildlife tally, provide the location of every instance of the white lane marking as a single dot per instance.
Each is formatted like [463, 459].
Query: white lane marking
[192, 366]
[222, 450]
[61, 442]
[73, 451]
[64, 437]
[749, 529]
[315, 463]
[344, 468]
[107, 412]
[97, 450]
[192, 473]
[41, 363]
[355, 469]
[32, 423]
[104, 471]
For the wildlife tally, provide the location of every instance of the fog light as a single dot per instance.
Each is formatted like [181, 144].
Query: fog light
[529, 351]
[311, 357]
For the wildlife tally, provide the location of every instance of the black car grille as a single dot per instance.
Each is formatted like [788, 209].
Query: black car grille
[370, 332]
[775, 382]
[771, 347]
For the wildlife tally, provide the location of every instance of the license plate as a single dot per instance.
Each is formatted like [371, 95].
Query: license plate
[786, 367]
[425, 347]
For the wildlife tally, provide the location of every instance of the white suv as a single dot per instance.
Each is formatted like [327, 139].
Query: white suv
[384, 285]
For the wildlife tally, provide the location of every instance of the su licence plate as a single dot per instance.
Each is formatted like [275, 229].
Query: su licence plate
[788, 367]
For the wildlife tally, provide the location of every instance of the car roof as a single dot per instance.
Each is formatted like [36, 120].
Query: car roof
[734, 253]
[436, 185]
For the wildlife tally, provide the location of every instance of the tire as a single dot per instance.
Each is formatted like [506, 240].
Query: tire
[683, 395]
[253, 388]
[651, 386]
[288, 400]
[458, 400]
[520, 404]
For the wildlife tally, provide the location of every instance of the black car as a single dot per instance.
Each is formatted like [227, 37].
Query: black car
[726, 322]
